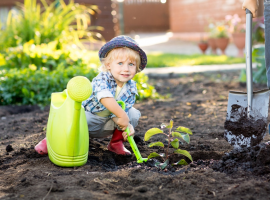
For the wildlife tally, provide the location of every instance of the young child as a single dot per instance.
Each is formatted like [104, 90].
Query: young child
[121, 59]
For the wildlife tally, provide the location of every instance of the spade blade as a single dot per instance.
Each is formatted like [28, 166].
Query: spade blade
[242, 130]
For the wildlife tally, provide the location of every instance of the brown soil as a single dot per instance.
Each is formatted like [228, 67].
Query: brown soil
[251, 128]
[197, 101]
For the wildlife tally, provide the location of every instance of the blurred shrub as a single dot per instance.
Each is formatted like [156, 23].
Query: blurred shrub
[40, 52]
[259, 74]
[258, 30]
[60, 22]
[46, 56]
[32, 86]
[145, 90]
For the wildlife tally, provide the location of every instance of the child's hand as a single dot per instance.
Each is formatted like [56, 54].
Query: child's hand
[122, 122]
[252, 5]
[130, 134]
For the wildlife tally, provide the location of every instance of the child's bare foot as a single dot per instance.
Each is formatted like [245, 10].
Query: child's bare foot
[41, 147]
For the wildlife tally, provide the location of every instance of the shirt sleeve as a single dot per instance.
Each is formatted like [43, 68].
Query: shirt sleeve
[104, 94]
[101, 87]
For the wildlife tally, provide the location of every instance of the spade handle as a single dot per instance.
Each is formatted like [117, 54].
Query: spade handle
[248, 49]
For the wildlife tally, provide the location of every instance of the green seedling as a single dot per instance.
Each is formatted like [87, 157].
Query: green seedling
[173, 140]
[131, 141]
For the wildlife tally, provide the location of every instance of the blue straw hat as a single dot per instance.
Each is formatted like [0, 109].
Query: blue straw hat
[123, 41]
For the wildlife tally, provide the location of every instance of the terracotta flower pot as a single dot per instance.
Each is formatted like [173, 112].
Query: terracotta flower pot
[213, 46]
[239, 41]
[203, 46]
[222, 44]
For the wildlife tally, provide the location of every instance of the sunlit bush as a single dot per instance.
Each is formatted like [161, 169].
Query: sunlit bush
[63, 23]
[32, 86]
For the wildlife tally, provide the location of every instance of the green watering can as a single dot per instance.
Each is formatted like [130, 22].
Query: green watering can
[67, 130]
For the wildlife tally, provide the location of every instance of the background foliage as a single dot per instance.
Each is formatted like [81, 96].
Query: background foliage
[65, 24]
[259, 74]
[42, 49]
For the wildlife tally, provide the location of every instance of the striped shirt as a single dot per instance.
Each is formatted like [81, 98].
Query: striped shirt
[104, 86]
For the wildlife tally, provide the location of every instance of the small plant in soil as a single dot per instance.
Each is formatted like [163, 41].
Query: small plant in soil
[173, 140]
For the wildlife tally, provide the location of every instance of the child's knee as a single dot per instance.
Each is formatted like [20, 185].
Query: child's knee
[134, 116]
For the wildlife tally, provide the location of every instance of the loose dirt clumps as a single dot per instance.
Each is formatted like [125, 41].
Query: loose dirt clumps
[197, 101]
[242, 130]
[255, 160]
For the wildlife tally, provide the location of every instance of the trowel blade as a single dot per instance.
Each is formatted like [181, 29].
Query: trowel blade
[237, 109]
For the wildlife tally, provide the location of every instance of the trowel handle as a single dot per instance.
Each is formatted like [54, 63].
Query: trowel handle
[248, 49]
[131, 140]
[133, 145]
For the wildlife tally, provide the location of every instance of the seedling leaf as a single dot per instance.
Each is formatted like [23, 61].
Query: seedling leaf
[171, 123]
[181, 162]
[162, 155]
[151, 132]
[183, 129]
[164, 126]
[153, 155]
[183, 152]
[175, 143]
[162, 165]
[157, 144]
[185, 137]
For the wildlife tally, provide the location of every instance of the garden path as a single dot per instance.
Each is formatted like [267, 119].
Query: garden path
[167, 43]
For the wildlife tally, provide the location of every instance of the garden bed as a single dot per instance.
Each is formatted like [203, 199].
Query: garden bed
[197, 101]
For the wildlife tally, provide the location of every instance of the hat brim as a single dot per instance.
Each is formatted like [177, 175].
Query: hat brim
[120, 43]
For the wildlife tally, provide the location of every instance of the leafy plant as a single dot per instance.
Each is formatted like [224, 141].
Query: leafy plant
[32, 86]
[46, 56]
[235, 24]
[145, 90]
[259, 75]
[173, 140]
[258, 27]
[64, 23]
[218, 29]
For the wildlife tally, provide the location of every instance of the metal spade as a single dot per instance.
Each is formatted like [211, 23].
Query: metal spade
[247, 113]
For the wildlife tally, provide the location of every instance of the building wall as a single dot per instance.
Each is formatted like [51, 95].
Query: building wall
[9, 3]
[146, 16]
[189, 19]
[193, 15]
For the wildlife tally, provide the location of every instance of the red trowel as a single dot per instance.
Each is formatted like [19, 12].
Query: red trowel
[247, 113]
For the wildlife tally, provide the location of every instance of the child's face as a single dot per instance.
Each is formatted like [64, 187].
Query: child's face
[122, 70]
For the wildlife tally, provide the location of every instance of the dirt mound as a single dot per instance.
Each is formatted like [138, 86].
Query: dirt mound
[243, 131]
[255, 160]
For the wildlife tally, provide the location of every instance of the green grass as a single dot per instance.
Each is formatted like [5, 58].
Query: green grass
[171, 60]
[176, 60]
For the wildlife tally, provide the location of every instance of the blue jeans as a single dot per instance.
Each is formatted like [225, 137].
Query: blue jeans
[267, 39]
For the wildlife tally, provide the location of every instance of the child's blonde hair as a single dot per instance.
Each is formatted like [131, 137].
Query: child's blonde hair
[120, 53]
